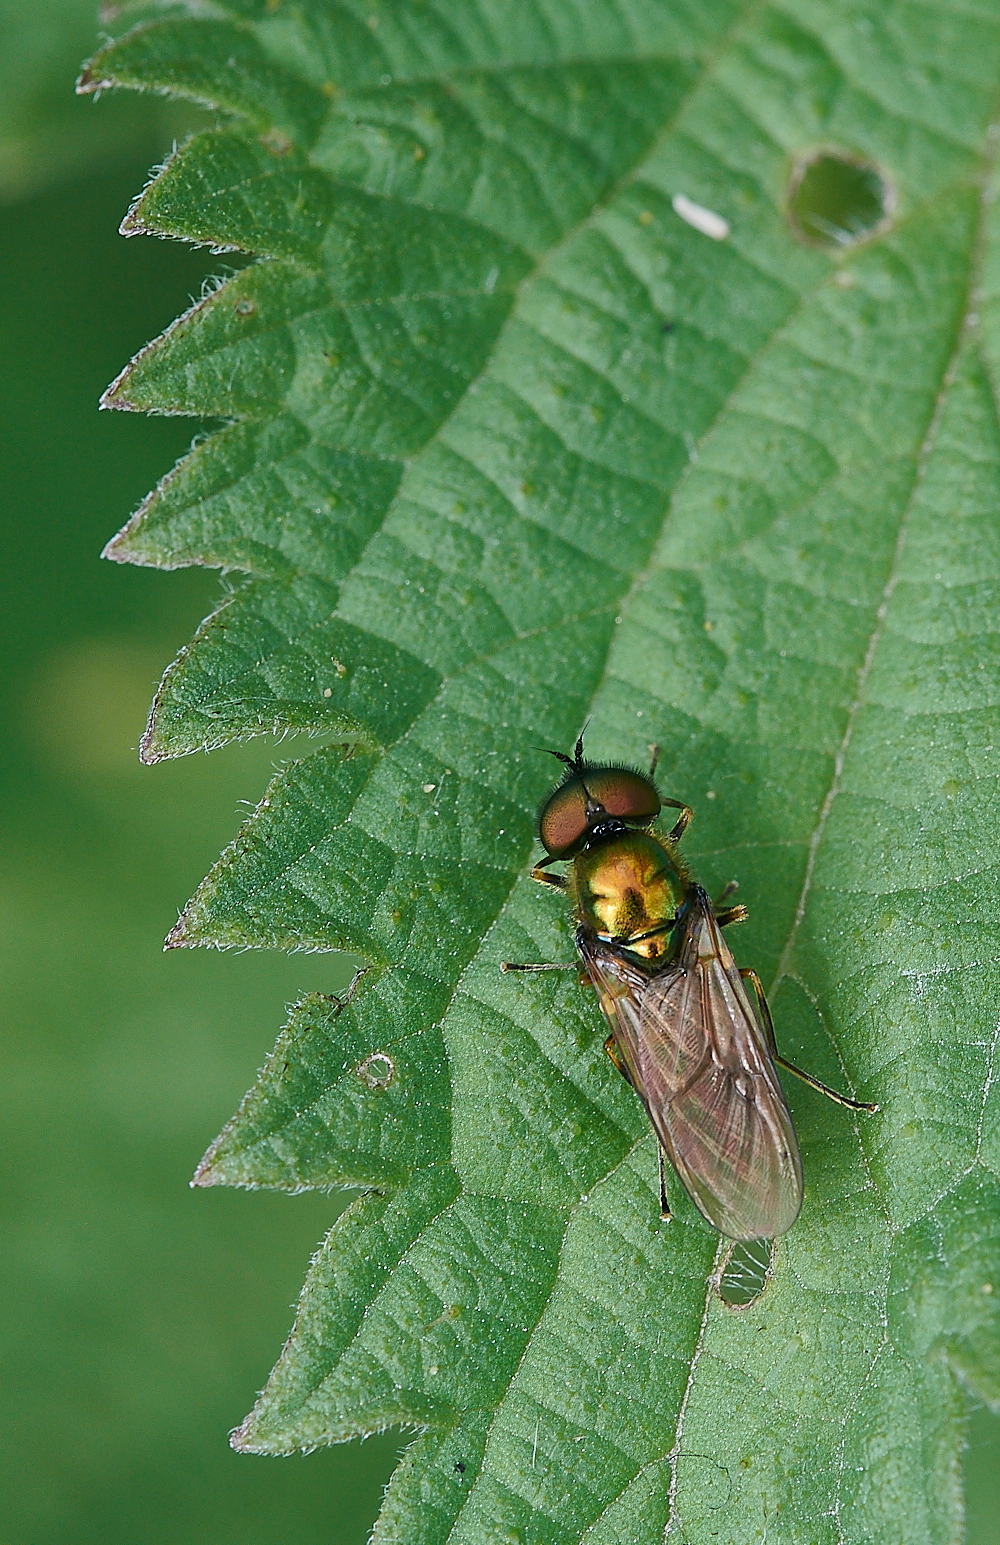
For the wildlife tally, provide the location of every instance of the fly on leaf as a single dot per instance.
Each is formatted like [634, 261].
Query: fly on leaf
[698, 1049]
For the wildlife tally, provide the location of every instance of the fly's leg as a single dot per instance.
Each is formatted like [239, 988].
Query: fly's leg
[831, 1094]
[763, 1011]
[562, 965]
[683, 821]
[681, 824]
[767, 1025]
[548, 965]
[665, 1212]
[615, 1056]
[686, 813]
[557, 881]
[628, 941]
[727, 915]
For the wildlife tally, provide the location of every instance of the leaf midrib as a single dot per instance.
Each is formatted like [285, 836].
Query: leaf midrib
[988, 160]
[893, 1228]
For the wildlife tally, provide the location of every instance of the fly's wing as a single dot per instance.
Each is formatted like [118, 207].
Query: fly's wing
[697, 1056]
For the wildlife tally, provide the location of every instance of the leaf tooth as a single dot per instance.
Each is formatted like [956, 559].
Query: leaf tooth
[223, 190]
[178, 937]
[275, 657]
[218, 64]
[353, 1094]
[268, 498]
[258, 893]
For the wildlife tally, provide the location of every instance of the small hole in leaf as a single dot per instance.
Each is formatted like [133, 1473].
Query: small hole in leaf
[377, 1070]
[746, 1273]
[836, 200]
[277, 143]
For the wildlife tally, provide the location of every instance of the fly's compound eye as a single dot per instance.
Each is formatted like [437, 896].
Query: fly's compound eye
[625, 794]
[562, 823]
[618, 791]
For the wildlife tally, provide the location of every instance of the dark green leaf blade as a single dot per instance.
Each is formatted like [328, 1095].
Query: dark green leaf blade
[215, 64]
[717, 495]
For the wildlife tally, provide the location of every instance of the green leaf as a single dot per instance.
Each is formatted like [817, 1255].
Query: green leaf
[218, 64]
[515, 444]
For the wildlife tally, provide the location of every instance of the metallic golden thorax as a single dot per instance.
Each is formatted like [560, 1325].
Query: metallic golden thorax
[624, 886]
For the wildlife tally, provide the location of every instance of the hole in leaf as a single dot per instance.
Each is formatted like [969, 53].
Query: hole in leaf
[277, 143]
[377, 1070]
[745, 1274]
[836, 200]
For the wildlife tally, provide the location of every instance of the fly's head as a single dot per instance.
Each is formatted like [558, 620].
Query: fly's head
[623, 879]
[594, 800]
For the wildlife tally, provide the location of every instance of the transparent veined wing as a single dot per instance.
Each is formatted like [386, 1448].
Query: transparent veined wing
[697, 1055]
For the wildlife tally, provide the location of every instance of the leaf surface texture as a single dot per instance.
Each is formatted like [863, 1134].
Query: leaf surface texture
[508, 444]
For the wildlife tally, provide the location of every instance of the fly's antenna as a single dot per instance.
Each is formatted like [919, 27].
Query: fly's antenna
[576, 760]
[593, 807]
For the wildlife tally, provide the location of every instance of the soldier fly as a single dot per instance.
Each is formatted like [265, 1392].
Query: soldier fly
[685, 1033]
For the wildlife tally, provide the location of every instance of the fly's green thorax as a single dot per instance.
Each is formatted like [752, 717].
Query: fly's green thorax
[627, 883]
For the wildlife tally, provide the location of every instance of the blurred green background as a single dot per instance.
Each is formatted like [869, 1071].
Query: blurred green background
[140, 1317]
